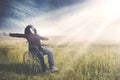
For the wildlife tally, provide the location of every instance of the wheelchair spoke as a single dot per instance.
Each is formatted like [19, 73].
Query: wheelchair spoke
[31, 62]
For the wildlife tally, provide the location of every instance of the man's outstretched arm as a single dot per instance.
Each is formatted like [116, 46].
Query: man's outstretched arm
[44, 38]
[14, 34]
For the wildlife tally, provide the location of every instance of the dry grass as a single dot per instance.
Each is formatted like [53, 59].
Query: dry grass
[97, 62]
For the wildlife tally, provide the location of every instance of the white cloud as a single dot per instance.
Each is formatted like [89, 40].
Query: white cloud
[95, 19]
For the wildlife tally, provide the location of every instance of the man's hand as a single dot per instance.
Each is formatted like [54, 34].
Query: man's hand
[6, 33]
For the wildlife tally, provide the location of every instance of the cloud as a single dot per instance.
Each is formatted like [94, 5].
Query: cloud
[20, 10]
[87, 21]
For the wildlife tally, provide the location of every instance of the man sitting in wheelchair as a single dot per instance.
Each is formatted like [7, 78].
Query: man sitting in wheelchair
[33, 39]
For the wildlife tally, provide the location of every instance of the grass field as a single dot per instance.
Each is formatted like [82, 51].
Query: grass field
[76, 61]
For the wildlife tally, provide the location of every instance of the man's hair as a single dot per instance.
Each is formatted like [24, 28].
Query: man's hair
[27, 29]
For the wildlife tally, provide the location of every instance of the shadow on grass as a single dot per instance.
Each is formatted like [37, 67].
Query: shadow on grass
[16, 68]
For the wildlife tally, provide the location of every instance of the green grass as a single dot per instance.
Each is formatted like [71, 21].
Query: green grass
[76, 62]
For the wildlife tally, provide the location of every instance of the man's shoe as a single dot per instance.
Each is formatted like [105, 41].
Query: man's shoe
[54, 69]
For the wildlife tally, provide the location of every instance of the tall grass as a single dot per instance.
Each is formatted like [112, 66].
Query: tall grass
[97, 62]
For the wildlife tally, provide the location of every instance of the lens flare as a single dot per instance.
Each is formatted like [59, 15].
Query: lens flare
[89, 23]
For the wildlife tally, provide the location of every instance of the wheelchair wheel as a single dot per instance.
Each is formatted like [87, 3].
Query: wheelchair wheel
[31, 63]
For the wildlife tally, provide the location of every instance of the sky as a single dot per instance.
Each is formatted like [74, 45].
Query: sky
[78, 20]
[16, 14]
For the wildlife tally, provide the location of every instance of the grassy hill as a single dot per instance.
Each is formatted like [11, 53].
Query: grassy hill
[76, 61]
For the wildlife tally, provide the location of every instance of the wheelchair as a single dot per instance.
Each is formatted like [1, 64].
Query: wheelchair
[31, 61]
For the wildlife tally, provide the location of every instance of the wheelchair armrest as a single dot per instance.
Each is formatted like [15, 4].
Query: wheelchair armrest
[44, 45]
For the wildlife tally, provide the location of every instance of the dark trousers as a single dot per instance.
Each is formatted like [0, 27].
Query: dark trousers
[40, 54]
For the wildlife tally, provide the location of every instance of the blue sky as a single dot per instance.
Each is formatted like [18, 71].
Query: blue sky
[20, 10]
[78, 20]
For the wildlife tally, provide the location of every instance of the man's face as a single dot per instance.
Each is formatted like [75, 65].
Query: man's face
[32, 30]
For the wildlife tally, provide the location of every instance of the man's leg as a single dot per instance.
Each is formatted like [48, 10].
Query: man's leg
[42, 62]
[50, 56]
[49, 53]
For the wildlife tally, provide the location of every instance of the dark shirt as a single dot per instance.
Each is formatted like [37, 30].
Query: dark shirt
[33, 39]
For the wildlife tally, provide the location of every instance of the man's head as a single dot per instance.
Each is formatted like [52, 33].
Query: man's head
[30, 30]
